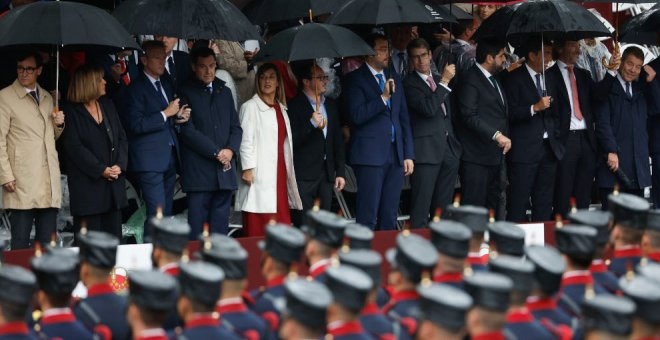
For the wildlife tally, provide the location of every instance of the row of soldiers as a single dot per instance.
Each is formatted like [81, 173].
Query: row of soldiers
[438, 288]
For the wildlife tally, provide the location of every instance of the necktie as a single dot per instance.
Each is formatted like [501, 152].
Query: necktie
[172, 69]
[209, 89]
[160, 91]
[574, 90]
[402, 63]
[431, 83]
[497, 88]
[35, 96]
[124, 75]
[381, 84]
[628, 92]
[592, 67]
[539, 88]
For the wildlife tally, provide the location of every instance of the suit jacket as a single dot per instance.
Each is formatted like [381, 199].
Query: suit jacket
[481, 113]
[526, 131]
[149, 135]
[372, 120]
[432, 129]
[654, 113]
[309, 144]
[183, 69]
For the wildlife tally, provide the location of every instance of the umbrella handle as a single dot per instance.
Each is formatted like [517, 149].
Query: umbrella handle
[608, 65]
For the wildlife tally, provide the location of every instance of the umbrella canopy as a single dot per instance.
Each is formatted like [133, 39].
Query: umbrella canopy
[311, 41]
[383, 12]
[266, 11]
[189, 19]
[642, 29]
[63, 24]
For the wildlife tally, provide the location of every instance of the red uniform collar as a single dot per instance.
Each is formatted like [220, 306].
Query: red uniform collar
[477, 259]
[345, 328]
[448, 277]
[598, 266]
[542, 304]
[370, 309]
[654, 256]
[319, 268]
[171, 269]
[203, 320]
[276, 281]
[64, 316]
[520, 315]
[18, 327]
[584, 278]
[489, 336]
[232, 307]
[633, 251]
[404, 295]
[99, 289]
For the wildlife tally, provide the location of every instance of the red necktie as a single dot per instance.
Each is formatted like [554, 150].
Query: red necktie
[124, 75]
[576, 99]
[431, 83]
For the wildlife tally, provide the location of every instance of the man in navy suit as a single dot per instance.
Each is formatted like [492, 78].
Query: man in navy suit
[381, 149]
[153, 146]
[177, 63]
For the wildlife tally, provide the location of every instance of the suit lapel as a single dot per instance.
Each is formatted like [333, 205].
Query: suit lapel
[494, 91]
[371, 79]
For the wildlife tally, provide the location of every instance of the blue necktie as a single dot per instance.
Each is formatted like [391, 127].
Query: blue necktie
[381, 84]
[160, 92]
[209, 89]
[539, 88]
[628, 93]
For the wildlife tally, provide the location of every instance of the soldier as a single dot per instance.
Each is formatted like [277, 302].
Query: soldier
[199, 285]
[491, 293]
[578, 245]
[506, 238]
[226, 253]
[650, 270]
[326, 233]
[452, 242]
[475, 218]
[349, 287]
[16, 288]
[358, 236]
[651, 238]
[305, 309]
[443, 312]
[601, 221]
[646, 294]
[372, 318]
[629, 214]
[98, 252]
[170, 238]
[607, 317]
[57, 275]
[519, 320]
[413, 259]
[151, 297]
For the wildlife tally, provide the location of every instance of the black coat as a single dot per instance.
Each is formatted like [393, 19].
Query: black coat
[213, 126]
[183, 70]
[309, 144]
[89, 150]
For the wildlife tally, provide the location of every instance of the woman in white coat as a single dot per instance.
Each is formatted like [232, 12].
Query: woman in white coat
[268, 188]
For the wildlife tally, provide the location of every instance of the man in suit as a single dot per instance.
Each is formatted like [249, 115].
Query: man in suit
[177, 63]
[460, 51]
[209, 142]
[534, 129]
[437, 150]
[153, 145]
[381, 150]
[483, 126]
[654, 143]
[401, 36]
[318, 146]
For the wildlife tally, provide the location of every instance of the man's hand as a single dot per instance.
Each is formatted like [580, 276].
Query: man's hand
[543, 104]
[504, 143]
[650, 73]
[172, 108]
[515, 64]
[444, 36]
[340, 182]
[448, 73]
[248, 177]
[613, 161]
[408, 167]
[615, 60]
[183, 115]
[110, 174]
[225, 156]
[317, 117]
[390, 88]
[248, 55]
[116, 72]
[214, 46]
[58, 118]
[10, 186]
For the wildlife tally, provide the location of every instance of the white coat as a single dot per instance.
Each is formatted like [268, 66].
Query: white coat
[259, 152]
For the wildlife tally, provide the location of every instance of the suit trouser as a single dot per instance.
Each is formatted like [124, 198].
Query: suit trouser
[21, 225]
[432, 187]
[655, 179]
[379, 191]
[575, 173]
[532, 179]
[210, 207]
[481, 184]
[158, 189]
[311, 190]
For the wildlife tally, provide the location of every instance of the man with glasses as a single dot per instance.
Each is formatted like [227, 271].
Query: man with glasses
[29, 168]
[318, 147]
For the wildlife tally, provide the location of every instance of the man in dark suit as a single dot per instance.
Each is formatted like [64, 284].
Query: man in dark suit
[482, 127]
[534, 130]
[209, 142]
[460, 51]
[153, 145]
[437, 151]
[177, 63]
[654, 143]
[381, 149]
[318, 147]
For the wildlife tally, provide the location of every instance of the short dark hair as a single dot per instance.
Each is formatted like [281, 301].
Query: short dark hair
[488, 47]
[532, 45]
[12, 312]
[152, 317]
[22, 55]
[200, 52]
[458, 29]
[200, 43]
[557, 45]
[418, 43]
[302, 69]
[634, 51]
[149, 44]
[59, 300]
[373, 37]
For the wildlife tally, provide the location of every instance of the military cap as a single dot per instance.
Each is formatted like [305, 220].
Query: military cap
[629, 210]
[307, 301]
[521, 272]
[654, 220]
[451, 238]
[98, 248]
[283, 243]
[349, 286]
[358, 236]
[226, 253]
[608, 313]
[508, 238]
[645, 292]
[57, 272]
[444, 305]
[200, 282]
[412, 256]
[594, 218]
[475, 218]
[650, 270]
[549, 267]
[489, 290]
[576, 240]
[366, 260]
[170, 233]
[17, 284]
[152, 289]
[325, 227]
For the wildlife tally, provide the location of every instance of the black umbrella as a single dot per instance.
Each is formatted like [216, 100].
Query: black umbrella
[186, 19]
[382, 12]
[496, 26]
[642, 29]
[265, 11]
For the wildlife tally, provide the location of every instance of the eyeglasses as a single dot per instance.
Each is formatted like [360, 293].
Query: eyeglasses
[322, 78]
[28, 70]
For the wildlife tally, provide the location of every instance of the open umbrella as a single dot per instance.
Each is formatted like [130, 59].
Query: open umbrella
[383, 12]
[266, 11]
[642, 28]
[63, 24]
[186, 19]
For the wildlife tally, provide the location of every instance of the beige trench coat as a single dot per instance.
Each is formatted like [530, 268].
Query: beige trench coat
[27, 149]
[259, 152]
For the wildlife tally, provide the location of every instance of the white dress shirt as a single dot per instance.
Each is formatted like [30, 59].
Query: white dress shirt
[162, 91]
[533, 74]
[576, 124]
